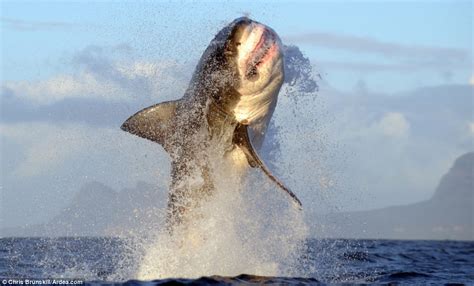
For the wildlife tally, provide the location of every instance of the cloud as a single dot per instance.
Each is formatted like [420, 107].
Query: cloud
[103, 77]
[382, 67]
[47, 146]
[391, 57]
[386, 149]
[471, 128]
[80, 85]
[105, 72]
[21, 25]
[471, 80]
[394, 124]
[47, 149]
[105, 87]
[90, 97]
[369, 45]
[44, 164]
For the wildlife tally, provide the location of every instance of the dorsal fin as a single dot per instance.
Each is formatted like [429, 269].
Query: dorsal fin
[154, 123]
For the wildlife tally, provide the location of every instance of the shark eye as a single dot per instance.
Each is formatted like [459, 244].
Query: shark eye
[228, 49]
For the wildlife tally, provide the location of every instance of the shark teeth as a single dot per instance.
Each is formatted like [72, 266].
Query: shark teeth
[262, 49]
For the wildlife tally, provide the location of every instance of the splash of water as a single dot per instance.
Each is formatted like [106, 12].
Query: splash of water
[246, 226]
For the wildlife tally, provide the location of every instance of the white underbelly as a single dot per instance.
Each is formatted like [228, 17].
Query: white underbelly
[253, 108]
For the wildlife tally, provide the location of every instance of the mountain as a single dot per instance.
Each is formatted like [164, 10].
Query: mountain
[98, 210]
[447, 215]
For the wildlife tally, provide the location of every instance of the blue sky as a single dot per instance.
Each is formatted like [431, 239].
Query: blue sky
[393, 112]
[39, 36]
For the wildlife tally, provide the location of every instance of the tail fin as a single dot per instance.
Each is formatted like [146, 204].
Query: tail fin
[154, 123]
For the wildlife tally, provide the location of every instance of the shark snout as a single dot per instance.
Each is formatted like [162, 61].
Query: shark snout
[258, 46]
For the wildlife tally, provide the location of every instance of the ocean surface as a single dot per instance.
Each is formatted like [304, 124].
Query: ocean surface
[107, 260]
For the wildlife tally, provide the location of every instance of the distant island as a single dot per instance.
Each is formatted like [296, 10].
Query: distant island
[98, 210]
[447, 215]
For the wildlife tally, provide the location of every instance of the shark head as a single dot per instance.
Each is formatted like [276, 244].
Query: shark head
[258, 54]
[246, 59]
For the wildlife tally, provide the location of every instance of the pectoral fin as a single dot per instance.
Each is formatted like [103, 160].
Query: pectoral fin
[241, 139]
[154, 123]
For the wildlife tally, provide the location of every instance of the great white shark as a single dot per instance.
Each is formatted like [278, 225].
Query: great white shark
[229, 101]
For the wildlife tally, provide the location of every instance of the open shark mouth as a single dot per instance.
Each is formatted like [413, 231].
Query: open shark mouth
[265, 49]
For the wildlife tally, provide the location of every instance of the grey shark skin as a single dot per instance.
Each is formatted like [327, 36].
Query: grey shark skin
[229, 101]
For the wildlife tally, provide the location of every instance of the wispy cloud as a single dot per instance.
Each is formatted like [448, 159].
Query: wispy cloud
[371, 55]
[39, 157]
[60, 87]
[471, 128]
[368, 67]
[102, 73]
[374, 46]
[394, 124]
[46, 149]
[22, 25]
